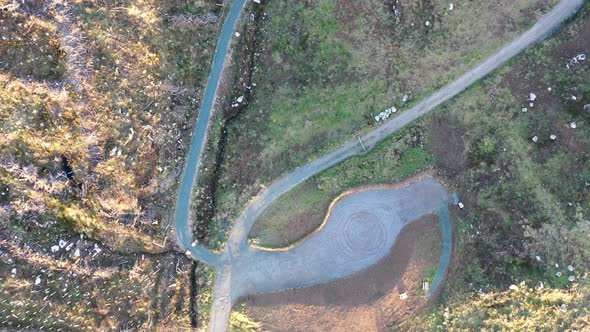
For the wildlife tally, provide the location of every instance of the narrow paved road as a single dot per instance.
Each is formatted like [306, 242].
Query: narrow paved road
[237, 243]
[183, 229]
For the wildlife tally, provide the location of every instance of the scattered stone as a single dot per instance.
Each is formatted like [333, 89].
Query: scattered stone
[556, 265]
[532, 96]
[405, 98]
[558, 274]
[62, 243]
[574, 97]
[451, 6]
[531, 104]
[77, 252]
[427, 23]
[237, 34]
[188, 253]
[553, 137]
[524, 110]
[535, 139]
[563, 308]
[461, 205]
[194, 244]
[256, 1]
[55, 248]
[570, 268]
[573, 125]
[403, 296]
[37, 281]
[571, 278]
[538, 258]
[240, 99]
[549, 89]
[13, 271]
[69, 247]
[513, 287]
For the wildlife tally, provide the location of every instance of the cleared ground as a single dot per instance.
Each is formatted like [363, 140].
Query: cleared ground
[365, 301]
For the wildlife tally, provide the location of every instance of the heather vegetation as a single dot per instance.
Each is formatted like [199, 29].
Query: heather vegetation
[97, 102]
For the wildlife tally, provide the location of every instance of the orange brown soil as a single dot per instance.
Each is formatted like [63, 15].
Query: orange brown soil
[365, 301]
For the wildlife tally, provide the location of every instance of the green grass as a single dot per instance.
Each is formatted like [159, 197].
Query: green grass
[325, 70]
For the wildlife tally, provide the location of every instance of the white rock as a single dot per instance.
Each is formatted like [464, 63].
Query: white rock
[538, 258]
[37, 281]
[13, 271]
[405, 98]
[256, 1]
[55, 248]
[403, 296]
[571, 278]
[461, 205]
[535, 139]
[62, 243]
[77, 252]
[558, 274]
[556, 265]
[573, 125]
[194, 244]
[553, 137]
[570, 268]
[541, 285]
[240, 99]
[531, 104]
[532, 96]
[427, 23]
[377, 118]
[581, 57]
[513, 287]
[549, 89]
[188, 253]
[69, 247]
[524, 110]
[563, 308]
[574, 98]
[237, 34]
[451, 6]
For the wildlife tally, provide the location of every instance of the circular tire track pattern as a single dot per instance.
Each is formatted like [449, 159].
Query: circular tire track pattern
[361, 234]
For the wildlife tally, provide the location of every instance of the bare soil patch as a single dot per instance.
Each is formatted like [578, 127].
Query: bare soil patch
[365, 301]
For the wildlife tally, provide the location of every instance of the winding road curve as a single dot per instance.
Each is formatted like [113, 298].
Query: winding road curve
[237, 246]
